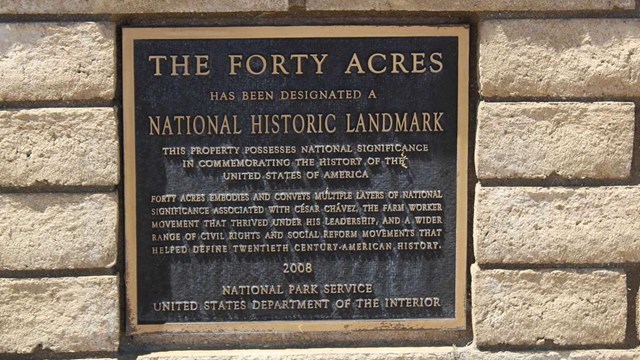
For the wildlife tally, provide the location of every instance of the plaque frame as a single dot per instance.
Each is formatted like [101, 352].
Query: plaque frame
[129, 35]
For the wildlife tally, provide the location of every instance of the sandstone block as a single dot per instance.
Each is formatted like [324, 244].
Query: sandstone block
[57, 61]
[560, 58]
[58, 231]
[59, 146]
[59, 314]
[438, 353]
[605, 355]
[548, 307]
[572, 140]
[469, 5]
[472, 353]
[533, 225]
[141, 6]
[331, 339]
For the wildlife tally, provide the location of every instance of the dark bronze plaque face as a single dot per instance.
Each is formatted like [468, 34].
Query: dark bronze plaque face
[295, 178]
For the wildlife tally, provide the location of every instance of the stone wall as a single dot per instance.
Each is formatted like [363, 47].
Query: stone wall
[556, 205]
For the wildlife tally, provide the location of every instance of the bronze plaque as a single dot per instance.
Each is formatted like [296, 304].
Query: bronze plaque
[295, 178]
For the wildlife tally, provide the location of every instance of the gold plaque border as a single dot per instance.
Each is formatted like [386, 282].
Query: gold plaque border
[129, 35]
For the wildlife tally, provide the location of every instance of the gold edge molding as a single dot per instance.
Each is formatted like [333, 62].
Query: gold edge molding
[130, 181]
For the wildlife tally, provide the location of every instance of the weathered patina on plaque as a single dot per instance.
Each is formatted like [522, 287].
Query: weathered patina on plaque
[295, 178]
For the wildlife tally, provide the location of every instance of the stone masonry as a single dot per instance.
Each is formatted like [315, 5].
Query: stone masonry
[555, 210]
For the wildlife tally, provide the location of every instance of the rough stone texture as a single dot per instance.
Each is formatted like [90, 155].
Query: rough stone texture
[469, 5]
[147, 6]
[465, 353]
[533, 225]
[59, 146]
[329, 339]
[437, 353]
[59, 314]
[472, 353]
[58, 231]
[605, 355]
[572, 140]
[560, 58]
[548, 307]
[57, 61]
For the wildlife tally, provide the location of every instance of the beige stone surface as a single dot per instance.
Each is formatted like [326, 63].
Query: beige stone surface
[427, 353]
[548, 307]
[143, 6]
[465, 353]
[560, 58]
[472, 353]
[534, 225]
[329, 339]
[605, 355]
[57, 61]
[569, 139]
[469, 5]
[59, 146]
[58, 231]
[59, 314]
